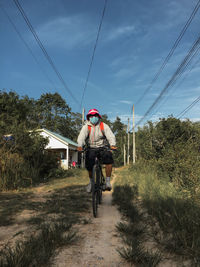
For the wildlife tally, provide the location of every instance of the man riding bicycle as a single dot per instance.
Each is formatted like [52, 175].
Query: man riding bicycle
[97, 135]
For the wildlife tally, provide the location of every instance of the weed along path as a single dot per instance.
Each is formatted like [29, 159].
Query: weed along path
[53, 225]
[99, 243]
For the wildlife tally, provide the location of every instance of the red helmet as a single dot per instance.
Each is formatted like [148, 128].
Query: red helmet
[93, 112]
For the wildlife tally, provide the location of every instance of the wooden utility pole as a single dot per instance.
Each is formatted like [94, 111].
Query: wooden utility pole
[133, 136]
[128, 145]
[82, 156]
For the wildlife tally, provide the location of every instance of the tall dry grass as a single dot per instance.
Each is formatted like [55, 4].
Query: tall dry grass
[177, 211]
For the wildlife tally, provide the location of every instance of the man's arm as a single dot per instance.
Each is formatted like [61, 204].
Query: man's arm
[82, 137]
[110, 136]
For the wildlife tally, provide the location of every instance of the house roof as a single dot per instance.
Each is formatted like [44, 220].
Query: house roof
[60, 137]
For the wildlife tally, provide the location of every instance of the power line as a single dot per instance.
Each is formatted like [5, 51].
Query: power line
[26, 44]
[95, 46]
[43, 49]
[188, 108]
[186, 61]
[187, 73]
[171, 51]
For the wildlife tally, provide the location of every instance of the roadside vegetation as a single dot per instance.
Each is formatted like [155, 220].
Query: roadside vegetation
[137, 249]
[56, 208]
[162, 189]
[23, 159]
[166, 181]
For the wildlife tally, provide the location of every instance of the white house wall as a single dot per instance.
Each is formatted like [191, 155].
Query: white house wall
[53, 142]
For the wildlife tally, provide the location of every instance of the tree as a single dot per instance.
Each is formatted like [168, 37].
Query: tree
[172, 146]
[13, 111]
[106, 120]
[119, 130]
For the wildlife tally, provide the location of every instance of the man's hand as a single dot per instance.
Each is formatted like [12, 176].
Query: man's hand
[79, 148]
[113, 148]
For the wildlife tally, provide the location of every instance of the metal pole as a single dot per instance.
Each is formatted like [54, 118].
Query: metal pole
[133, 136]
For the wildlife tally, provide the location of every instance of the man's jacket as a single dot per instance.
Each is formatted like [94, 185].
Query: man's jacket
[95, 136]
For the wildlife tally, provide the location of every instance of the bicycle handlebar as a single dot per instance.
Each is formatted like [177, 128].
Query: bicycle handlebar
[97, 149]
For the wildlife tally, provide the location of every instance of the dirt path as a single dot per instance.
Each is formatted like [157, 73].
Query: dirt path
[98, 247]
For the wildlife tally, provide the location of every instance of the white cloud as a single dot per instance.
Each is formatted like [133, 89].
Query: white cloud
[67, 32]
[124, 73]
[123, 117]
[126, 102]
[119, 32]
[195, 119]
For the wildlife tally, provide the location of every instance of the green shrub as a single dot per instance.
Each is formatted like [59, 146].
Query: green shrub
[172, 148]
[23, 160]
[177, 211]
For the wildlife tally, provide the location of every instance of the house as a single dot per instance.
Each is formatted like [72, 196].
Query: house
[65, 148]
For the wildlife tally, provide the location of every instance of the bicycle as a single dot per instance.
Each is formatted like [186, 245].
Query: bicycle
[98, 180]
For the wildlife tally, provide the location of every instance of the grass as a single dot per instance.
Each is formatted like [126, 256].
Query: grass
[175, 211]
[133, 233]
[64, 195]
[36, 250]
[59, 205]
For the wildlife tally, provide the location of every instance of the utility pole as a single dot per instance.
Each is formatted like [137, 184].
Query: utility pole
[124, 154]
[125, 149]
[128, 145]
[133, 136]
[82, 156]
[83, 116]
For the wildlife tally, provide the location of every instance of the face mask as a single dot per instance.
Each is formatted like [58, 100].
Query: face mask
[94, 120]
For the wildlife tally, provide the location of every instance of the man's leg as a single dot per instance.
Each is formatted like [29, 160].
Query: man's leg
[89, 186]
[108, 175]
[108, 161]
[108, 170]
[90, 158]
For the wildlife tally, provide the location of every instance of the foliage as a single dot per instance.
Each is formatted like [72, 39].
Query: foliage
[119, 129]
[36, 250]
[53, 113]
[177, 211]
[23, 160]
[172, 146]
[133, 231]
[173, 214]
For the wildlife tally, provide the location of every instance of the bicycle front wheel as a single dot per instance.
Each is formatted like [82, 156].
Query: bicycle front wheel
[95, 189]
[101, 188]
[95, 202]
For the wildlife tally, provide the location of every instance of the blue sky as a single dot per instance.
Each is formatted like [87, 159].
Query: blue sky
[135, 38]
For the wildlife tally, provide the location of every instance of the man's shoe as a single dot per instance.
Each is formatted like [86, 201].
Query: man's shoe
[108, 186]
[103, 186]
[89, 188]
